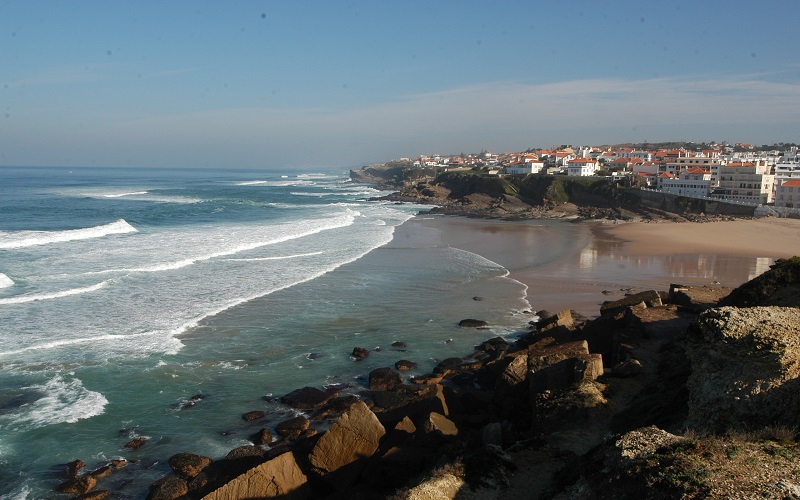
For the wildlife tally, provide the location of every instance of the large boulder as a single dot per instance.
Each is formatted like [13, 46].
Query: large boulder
[384, 379]
[341, 453]
[188, 465]
[168, 488]
[745, 368]
[307, 398]
[280, 477]
[649, 298]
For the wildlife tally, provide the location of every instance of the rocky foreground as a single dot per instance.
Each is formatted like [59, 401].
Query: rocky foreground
[690, 393]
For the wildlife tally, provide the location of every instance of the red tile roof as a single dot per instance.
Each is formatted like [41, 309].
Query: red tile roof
[791, 183]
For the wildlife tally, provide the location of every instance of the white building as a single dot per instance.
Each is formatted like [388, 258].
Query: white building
[693, 182]
[787, 194]
[527, 167]
[581, 167]
[748, 182]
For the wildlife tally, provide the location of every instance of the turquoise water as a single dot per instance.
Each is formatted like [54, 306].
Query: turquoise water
[123, 295]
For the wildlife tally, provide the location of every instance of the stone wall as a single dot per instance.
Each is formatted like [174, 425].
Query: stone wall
[682, 204]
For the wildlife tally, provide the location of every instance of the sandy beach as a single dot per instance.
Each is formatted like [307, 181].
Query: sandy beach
[580, 265]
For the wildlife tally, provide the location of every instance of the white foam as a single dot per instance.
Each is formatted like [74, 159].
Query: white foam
[281, 183]
[337, 223]
[120, 195]
[23, 239]
[5, 281]
[281, 257]
[53, 295]
[62, 401]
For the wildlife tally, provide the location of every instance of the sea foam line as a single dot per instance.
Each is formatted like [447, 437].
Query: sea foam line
[350, 219]
[23, 239]
[280, 257]
[120, 195]
[54, 295]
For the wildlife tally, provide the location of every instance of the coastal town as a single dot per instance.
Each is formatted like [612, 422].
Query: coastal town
[739, 173]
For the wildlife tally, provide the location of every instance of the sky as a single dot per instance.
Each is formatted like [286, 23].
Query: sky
[298, 84]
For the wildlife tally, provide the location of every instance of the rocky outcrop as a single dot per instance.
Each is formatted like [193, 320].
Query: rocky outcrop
[780, 286]
[745, 368]
[280, 477]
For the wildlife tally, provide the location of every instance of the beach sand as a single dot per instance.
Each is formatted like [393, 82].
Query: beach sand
[580, 265]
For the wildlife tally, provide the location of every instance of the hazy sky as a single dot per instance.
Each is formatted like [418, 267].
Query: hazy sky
[335, 83]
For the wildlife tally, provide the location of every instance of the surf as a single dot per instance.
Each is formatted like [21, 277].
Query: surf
[23, 239]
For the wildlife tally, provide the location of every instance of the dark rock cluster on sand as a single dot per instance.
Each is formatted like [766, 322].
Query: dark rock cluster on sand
[652, 364]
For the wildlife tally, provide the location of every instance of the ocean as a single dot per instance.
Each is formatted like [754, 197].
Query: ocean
[165, 303]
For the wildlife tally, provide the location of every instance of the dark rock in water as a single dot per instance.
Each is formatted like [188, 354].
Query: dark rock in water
[405, 365]
[253, 415]
[360, 353]
[188, 403]
[477, 298]
[307, 398]
[384, 379]
[264, 436]
[188, 465]
[336, 406]
[74, 467]
[293, 427]
[314, 355]
[447, 364]
[101, 472]
[79, 485]
[397, 343]
[168, 488]
[246, 451]
[136, 443]
[472, 323]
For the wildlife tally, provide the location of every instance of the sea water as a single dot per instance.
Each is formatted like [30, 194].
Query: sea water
[165, 303]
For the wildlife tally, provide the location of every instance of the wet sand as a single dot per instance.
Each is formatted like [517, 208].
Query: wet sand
[580, 265]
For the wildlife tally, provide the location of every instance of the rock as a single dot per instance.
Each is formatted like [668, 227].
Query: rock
[780, 286]
[626, 369]
[101, 472]
[472, 323]
[439, 426]
[293, 427]
[78, 485]
[336, 406]
[745, 368]
[280, 477]
[307, 398]
[342, 451]
[168, 488]
[642, 443]
[561, 318]
[447, 365]
[360, 353]
[74, 467]
[558, 366]
[492, 434]
[650, 298]
[253, 415]
[264, 436]
[696, 299]
[246, 451]
[119, 463]
[136, 443]
[384, 379]
[399, 344]
[188, 465]
[405, 365]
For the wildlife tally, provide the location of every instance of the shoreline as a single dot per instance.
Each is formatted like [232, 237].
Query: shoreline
[579, 265]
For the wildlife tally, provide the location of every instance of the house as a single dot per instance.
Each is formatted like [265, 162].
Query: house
[748, 182]
[581, 167]
[692, 182]
[526, 167]
[787, 194]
